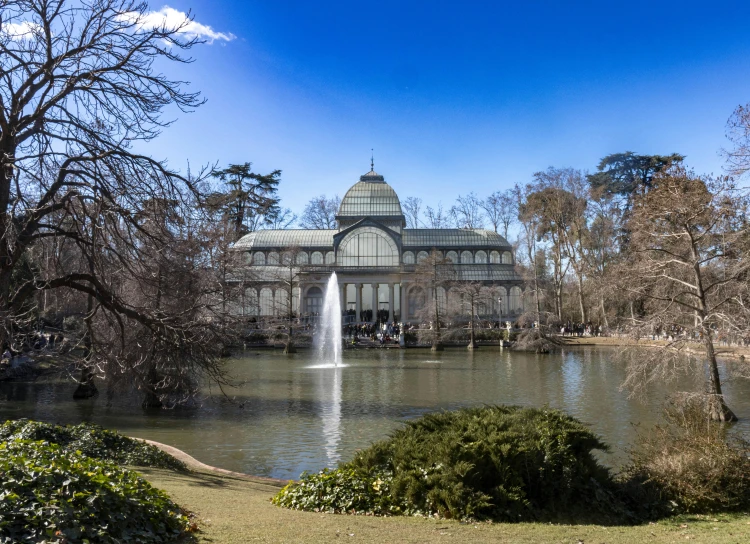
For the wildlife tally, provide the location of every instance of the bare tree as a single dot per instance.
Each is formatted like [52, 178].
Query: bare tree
[501, 210]
[550, 208]
[412, 211]
[286, 276]
[473, 296]
[531, 233]
[283, 220]
[689, 262]
[467, 212]
[436, 218]
[738, 132]
[320, 213]
[81, 83]
[431, 274]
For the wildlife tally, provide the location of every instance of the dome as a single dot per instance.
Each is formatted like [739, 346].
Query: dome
[370, 197]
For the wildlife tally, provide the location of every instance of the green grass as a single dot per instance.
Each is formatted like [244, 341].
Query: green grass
[232, 510]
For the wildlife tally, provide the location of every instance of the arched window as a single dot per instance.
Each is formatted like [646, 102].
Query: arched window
[273, 258]
[259, 258]
[408, 257]
[282, 302]
[421, 256]
[330, 258]
[480, 257]
[507, 257]
[302, 257]
[251, 301]
[466, 257]
[442, 299]
[316, 258]
[266, 301]
[495, 257]
[368, 247]
[503, 302]
[514, 301]
[416, 301]
[314, 301]
[452, 256]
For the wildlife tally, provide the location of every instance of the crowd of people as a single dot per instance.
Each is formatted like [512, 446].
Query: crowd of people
[580, 329]
[385, 333]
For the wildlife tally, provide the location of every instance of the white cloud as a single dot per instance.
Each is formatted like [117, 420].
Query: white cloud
[24, 29]
[172, 18]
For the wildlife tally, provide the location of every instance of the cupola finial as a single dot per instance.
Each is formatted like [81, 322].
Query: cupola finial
[372, 160]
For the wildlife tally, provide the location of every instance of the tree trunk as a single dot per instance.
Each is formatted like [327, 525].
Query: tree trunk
[86, 386]
[437, 345]
[584, 317]
[289, 345]
[5, 311]
[472, 344]
[604, 313]
[717, 409]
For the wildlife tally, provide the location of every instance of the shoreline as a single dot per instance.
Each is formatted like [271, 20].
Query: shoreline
[197, 466]
[734, 352]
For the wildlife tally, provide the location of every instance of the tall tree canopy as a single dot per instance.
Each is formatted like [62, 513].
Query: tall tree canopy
[320, 213]
[250, 199]
[689, 248]
[627, 174]
[82, 82]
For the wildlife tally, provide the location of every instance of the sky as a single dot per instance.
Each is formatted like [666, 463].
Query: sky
[454, 97]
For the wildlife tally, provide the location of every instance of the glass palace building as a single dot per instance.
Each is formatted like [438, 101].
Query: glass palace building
[374, 256]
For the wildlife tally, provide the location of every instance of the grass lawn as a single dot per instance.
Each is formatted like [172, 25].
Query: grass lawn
[238, 510]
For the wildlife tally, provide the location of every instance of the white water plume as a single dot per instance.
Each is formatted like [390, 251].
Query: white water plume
[329, 334]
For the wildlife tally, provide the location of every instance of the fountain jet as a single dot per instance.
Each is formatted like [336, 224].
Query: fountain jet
[329, 337]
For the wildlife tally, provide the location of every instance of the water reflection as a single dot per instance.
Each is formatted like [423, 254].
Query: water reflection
[330, 390]
[288, 417]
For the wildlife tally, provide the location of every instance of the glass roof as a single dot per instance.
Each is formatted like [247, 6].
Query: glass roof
[265, 239]
[453, 238]
[475, 272]
[412, 238]
[370, 197]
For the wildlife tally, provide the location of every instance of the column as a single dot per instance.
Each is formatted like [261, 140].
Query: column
[391, 303]
[403, 302]
[301, 309]
[374, 302]
[358, 300]
[342, 296]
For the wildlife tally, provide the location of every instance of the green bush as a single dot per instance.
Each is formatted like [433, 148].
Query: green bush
[495, 462]
[343, 490]
[92, 441]
[49, 494]
[690, 465]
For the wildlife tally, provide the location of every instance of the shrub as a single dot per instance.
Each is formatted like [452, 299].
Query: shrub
[689, 465]
[49, 494]
[496, 462]
[92, 441]
[343, 490]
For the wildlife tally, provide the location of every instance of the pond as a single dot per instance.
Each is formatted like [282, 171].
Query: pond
[290, 415]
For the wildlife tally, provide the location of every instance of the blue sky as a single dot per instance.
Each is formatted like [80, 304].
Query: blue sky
[456, 96]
